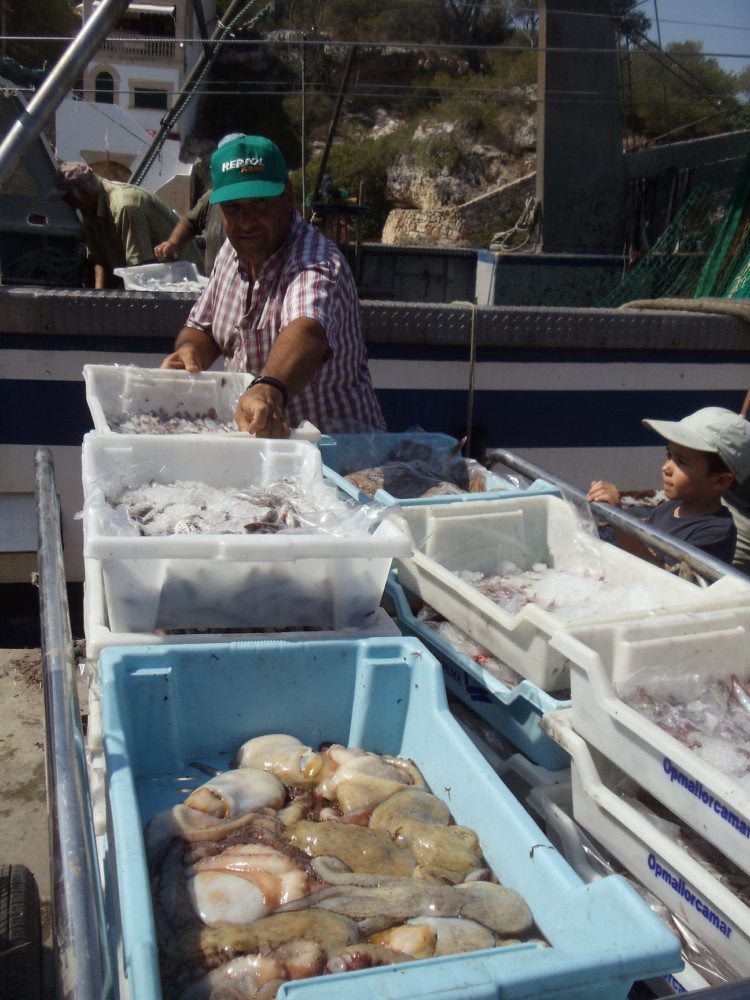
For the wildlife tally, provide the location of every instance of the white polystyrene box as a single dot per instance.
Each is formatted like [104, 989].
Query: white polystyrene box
[528, 530]
[711, 910]
[324, 580]
[711, 643]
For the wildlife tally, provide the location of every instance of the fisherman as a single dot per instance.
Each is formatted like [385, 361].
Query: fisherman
[204, 218]
[708, 454]
[281, 303]
[122, 222]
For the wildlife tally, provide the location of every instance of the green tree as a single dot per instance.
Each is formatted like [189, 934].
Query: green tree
[681, 93]
[39, 17]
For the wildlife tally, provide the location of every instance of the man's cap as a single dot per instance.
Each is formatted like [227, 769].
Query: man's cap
[249, 167]
[228, 138]
[713, 429]
[69, 176]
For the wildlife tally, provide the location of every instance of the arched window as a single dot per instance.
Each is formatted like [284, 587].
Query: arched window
[104, 89]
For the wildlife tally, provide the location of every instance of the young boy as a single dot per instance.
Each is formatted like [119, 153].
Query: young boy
[708, 453]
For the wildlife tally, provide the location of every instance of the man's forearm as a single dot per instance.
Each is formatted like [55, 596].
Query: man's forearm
[297, 355]
[203, 343]
[180, 235]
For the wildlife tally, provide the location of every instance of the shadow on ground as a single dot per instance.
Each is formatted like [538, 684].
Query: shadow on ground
[19, 623]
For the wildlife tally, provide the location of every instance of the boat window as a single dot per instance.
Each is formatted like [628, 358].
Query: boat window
[104, 89]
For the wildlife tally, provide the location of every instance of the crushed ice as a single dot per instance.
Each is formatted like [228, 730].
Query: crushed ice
[182, 507]
[569, 594]
[159, 285]
[704, 713]
[162, 422]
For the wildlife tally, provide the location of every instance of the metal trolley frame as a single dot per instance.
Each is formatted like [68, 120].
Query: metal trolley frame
[83, 964]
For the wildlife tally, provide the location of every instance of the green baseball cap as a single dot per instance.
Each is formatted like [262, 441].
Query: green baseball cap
[250, 166]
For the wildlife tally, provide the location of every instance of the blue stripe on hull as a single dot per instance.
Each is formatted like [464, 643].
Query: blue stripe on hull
[574, 419]
[55, 413]
[98, 344]
[43, 413]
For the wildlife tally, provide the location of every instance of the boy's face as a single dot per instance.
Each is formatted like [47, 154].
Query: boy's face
[685, 475]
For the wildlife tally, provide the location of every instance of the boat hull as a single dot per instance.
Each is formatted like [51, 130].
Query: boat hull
[566, 389]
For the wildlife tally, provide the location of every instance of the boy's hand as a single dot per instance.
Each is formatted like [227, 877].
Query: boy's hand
[601, 492]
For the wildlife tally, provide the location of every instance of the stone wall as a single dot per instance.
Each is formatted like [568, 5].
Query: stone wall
[462, 225]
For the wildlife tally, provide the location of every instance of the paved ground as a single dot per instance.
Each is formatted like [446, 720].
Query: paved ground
[24, 828]
[23, 811]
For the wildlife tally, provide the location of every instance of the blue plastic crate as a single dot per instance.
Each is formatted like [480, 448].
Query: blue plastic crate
[164, 707]
[362, 451]
[513, 712]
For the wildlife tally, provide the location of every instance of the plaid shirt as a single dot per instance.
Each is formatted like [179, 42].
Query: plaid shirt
[307, 276]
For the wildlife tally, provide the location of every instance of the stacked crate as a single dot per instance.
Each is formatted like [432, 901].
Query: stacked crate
[137, 585]
[691, 624]
[167, 702]
[607, 739]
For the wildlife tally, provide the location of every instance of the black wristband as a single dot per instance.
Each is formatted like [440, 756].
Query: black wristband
[274, 383]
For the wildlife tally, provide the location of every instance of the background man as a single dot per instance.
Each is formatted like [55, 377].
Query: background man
[122, 222]
[203, 218]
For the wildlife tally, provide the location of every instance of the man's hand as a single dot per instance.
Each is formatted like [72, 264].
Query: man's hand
[186, 357]
[601, 492]
[260, 412]
[166, 251]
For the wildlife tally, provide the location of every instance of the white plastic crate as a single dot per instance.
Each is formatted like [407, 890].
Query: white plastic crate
[552, 805]
[326, 580]
[479, 537]
[709, 908]
[115, 392]
[162, 277]
[99, 635]
[714, 643]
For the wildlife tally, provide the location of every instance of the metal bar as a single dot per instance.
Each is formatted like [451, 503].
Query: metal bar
[705, 565]
[82, 963]
[201, 21]
[210, 51]
[57, 85]
[334, 121]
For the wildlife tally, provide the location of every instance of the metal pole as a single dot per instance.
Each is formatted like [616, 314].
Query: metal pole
[188, 87]
[57, 85]
[334, 120]
[303, 126]
[707, 566]
[82, 962]
[658, 38]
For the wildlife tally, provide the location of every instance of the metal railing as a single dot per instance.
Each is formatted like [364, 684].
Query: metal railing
[123, 47]
[700, 562]
[82, 965]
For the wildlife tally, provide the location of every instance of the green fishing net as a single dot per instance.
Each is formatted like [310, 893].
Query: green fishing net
[705, 250]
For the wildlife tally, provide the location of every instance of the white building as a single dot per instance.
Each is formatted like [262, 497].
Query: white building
[126, 90]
